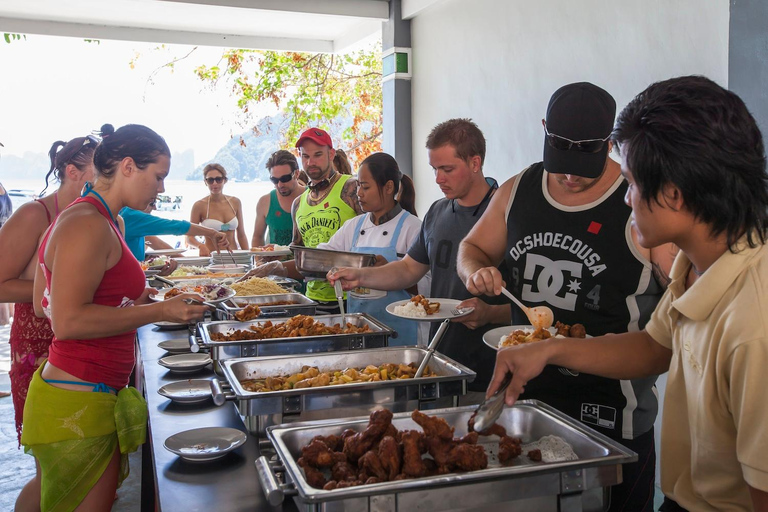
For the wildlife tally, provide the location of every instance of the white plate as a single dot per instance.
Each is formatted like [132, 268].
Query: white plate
[161, 294]
[162, 252]
[170, 325]
[189, 391]
[150, 272]
[277, 252]
[175, 346]
[185, 363]
[205, 444]
[492, 338]
[446, 306]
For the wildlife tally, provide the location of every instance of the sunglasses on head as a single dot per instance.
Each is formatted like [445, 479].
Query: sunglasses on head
[282, 179]
[217, 179]
[565, 144]
[88, 141]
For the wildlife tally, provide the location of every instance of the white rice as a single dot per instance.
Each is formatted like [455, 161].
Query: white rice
[411, 309]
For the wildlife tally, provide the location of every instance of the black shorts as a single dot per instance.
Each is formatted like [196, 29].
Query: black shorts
[636, 492]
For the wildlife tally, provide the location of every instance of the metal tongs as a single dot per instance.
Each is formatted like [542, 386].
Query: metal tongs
[339, 297]
[490, 409]
[431, 348]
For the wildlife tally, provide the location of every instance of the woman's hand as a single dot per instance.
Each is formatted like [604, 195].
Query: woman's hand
[220, 240]
[178, 310]
[349, 277]
[144, 298]
[169, 267]
[273, 268]
[204, 251]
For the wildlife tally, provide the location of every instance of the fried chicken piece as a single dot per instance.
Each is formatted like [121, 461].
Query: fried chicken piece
[332, 442]
[534, 455]
[314, 476]
[314, 382]
[433, 426]
[413, 464]
[371, 465]
[317, 454]
[372, 480]
[562, 329]
[509, 448]
[470, 438]
[347, 433]
[439, 449]
[355, 446]
[330, 485]
[342, 471]
[249, 312]
[390, 455]
[467, 457]
[578, 331]
[493, 430]
[431, 466]
[348, 483]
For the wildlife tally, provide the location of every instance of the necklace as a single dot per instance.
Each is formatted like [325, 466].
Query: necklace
[89, 190]
[696, 271]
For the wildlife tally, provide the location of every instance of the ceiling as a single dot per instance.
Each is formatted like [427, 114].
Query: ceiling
[328, 26]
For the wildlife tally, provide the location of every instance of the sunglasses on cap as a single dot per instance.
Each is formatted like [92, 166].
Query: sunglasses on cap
[217, 179]
[565, 144]
[88, 141]
[282, 179]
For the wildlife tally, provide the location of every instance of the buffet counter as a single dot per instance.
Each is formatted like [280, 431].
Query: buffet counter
[172, 484]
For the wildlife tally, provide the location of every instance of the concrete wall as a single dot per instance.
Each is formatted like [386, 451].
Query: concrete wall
[498, 61]
[748, 57]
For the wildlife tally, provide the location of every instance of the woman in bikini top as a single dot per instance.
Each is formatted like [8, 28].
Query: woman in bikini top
[219, 212]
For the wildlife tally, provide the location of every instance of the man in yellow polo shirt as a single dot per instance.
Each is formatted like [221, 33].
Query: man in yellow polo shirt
[695, 163]
[329, 200]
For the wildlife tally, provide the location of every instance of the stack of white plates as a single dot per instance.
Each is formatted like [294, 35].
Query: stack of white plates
[194, 261]
[241, 257]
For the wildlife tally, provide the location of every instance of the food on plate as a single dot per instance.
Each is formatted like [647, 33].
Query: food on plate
[158, 261]
[257, 286]
[312, 377]
[207, 291]
[249, 312]
[381, 453]
[521, 336]
[186, 270]
[418, 307]
[299, 325]
[269, 248]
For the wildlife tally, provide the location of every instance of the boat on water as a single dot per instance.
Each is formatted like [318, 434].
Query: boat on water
[166, 203]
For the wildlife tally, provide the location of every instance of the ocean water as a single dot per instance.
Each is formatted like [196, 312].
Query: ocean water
[190, 191]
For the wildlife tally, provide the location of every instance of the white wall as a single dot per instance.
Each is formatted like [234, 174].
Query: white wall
[498, 62]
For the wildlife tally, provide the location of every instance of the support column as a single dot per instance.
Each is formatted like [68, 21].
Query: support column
[396, 88]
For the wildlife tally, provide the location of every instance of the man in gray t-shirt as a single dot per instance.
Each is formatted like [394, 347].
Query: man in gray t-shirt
[456, 151]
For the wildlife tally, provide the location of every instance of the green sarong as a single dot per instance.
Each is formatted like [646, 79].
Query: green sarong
[73, 435]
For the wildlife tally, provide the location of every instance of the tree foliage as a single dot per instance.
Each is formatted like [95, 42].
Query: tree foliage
[325, 90]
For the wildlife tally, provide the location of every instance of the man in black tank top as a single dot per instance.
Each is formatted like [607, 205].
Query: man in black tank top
[564, 231]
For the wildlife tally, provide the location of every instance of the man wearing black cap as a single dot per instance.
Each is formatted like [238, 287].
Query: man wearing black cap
[565, 233]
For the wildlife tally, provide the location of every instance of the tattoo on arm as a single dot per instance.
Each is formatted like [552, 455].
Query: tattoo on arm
[349, 195]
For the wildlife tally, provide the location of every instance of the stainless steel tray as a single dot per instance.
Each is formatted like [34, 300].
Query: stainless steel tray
[344, 400]
[221, 350]
[303, 305]
[315, 263]
[525, 484]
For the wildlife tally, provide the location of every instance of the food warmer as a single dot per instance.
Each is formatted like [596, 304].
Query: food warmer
[261, 409]
[575, 485]
[302, 305]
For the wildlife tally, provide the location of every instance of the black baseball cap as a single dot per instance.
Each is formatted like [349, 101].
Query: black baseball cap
[579, 111]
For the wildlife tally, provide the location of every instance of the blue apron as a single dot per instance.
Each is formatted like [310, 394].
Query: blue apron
[376, 307]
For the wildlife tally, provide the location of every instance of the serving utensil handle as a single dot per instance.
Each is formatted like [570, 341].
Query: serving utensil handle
[217, 393]
[193, 345]
[268, 481]
[514, 299]
[431, 348]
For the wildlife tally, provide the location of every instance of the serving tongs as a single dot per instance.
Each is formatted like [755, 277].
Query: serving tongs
[490, 409]
[431, 348]
[339, 297]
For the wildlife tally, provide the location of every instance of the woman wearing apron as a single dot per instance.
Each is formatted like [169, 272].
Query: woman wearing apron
[386, 229]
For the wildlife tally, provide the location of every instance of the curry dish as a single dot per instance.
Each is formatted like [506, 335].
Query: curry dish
[300, 325]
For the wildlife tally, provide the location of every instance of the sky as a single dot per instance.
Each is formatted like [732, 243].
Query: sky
[58, 88]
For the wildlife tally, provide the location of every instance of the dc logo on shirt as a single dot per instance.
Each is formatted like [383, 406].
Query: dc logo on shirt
[556, 284]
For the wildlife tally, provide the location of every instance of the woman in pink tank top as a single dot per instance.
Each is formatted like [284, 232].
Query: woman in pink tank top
[94, 291]
[30, 337]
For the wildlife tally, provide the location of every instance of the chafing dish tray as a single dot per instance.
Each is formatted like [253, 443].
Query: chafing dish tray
[221, 350]
[302, 305]
[523, 485]
[315, 263]
[267, 408]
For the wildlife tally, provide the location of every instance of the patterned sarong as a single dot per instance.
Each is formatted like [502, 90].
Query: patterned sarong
[73, 435]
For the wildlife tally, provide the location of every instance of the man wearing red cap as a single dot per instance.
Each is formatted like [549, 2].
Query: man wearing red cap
[566, 235]
[329, 201]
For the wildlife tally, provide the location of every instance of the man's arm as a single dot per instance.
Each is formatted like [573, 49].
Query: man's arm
[397, 275]
[349, 195]
[297, 240]
[483, 248]
[605, 356]
[260, 227]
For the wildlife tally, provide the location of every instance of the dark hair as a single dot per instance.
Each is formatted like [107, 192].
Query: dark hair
[106, 130]
[341, 162]
[138, 142]
[282, 157]
[462, 134]
[214, 167]
[384, 168]
[699, 137]
[77, 152]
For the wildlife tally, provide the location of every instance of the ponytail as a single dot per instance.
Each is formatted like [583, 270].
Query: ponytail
[407, 196]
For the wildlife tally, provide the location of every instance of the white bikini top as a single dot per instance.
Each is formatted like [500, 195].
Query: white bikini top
[217, 224]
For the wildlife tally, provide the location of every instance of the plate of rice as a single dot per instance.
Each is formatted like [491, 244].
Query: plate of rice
[413, 310]
[512, 335]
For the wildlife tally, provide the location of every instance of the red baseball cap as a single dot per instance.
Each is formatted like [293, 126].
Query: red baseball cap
[317, 136]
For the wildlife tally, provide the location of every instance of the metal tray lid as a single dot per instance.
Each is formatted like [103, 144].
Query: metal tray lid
[315, 263]
[235, 369]
[593, 448]
[261, 300]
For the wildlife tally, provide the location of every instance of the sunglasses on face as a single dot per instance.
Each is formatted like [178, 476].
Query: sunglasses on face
[88, 141]
[282, 179]
[217, 179]
[565, 144]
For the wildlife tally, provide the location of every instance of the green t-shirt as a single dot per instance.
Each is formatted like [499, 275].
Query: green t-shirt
[317, 224]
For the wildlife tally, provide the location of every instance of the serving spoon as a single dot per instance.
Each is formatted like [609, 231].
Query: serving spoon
[540, 317]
